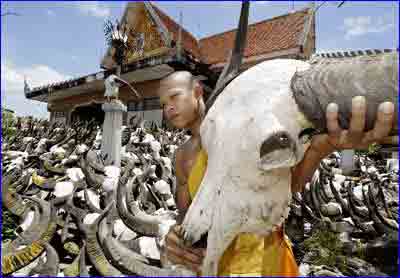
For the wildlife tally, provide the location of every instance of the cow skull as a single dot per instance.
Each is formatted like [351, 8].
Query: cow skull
[254, 125]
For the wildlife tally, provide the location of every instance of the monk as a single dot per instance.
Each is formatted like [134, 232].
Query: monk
[181, 97]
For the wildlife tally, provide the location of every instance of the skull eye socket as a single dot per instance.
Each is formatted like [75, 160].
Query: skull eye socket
[277, 141]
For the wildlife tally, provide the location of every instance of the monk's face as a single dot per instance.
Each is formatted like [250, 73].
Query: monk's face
[179, 102]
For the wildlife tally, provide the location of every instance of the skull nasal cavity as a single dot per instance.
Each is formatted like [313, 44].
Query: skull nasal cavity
[277, 141]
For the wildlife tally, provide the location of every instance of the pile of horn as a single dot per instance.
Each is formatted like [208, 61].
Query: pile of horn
[79, 216]
[362, 209]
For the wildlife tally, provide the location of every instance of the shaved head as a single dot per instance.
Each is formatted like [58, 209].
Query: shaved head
[181, 79]
[181, 98]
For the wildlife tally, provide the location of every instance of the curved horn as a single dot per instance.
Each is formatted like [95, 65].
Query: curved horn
[73, 268]
[385, 203]
[232, 67]
[324, 193]
[359, 222]
[50, 267]
[57, 170]
[387, 222]
[83, 272]
[95, 161]
[15, 260]
[118, 256]
[377, 226]
[44, 183]
[12, 200]
[94, 180]
[64, 231]
[134, 263]
[138, 220]
[314, 199]
[93, 248]
[126, 260]
[339, 80]
[94, 207]
[338, 197]
[360, 211]
[38, 226]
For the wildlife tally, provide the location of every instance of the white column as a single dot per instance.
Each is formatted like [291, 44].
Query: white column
[392, 164]
[112, 130]
[347, 162]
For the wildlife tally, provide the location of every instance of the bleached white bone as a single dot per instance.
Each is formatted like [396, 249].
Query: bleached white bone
[241, 191]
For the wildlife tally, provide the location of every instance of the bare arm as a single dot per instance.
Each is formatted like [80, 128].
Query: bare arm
[175, 249]
[182, 193]
[338, 139]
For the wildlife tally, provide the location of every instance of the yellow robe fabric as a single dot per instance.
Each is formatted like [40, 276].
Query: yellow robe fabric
[249, 254]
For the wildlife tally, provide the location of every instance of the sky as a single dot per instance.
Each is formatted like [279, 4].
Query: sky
[54, 41]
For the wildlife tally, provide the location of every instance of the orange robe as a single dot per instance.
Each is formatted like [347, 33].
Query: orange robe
[249, 254]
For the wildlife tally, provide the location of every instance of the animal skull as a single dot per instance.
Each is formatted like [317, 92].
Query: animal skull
[164, 191]
[254, 125]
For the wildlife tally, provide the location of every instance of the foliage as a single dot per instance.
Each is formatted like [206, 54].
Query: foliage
[9, 224]
[8, 120]
[328, 241]
[373, 149]
[9, 221]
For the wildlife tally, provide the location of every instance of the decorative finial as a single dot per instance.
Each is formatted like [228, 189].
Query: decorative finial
[27, 89]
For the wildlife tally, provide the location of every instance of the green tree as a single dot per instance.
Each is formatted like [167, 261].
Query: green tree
[8, 121]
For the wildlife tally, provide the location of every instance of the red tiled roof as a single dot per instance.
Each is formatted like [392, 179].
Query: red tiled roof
[188, 40]
[279, 33]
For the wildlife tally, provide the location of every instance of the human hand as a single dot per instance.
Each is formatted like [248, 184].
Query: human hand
[339, 139]
[179, 254]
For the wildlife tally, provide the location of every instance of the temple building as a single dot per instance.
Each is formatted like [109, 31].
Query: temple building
[164, 47]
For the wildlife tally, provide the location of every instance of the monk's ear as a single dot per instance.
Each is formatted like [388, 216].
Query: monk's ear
[198, 90]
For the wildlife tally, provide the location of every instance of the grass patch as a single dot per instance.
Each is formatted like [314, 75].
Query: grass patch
[329, 250]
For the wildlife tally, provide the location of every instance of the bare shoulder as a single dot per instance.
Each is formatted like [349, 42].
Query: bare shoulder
[184, 158]
[182, 154]
[179, 155]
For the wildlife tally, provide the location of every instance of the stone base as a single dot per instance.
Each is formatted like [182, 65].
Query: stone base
[114, 106]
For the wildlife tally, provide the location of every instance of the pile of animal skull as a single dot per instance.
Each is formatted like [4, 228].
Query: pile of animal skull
[361, 210]
[80, 217]
[89, 218]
